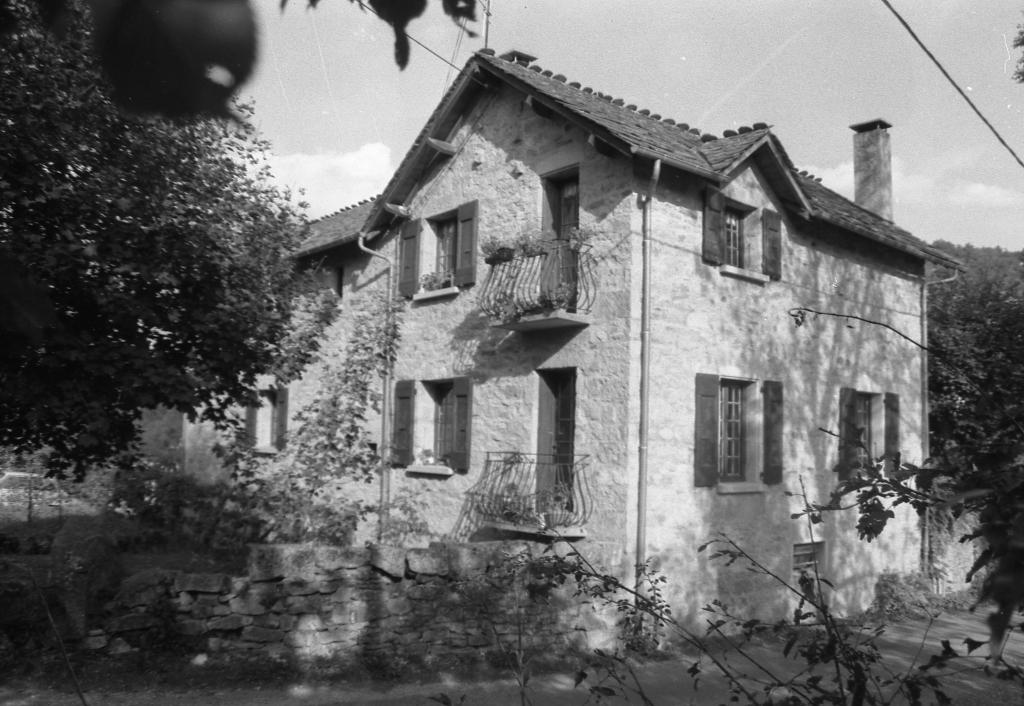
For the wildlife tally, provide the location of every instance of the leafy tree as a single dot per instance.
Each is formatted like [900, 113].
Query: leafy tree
[144, 262]
[976, 332]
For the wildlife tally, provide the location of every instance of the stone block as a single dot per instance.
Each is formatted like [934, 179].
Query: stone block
[268, 620]
[118, 646]
[298, 638]
[330, 559]
[253, 633]
[299, 587]
[333, 636]
[95, 642]
[191, 627]
[428, 562]
[144, 587]
[389, 559]
[130, 622]
[397, 606]
[344, 595]
[201, 583]
[268, 562]
[309, 623]
[184, 601]
[354, 612]
[229, 622]
[247, 605]
[303, 604]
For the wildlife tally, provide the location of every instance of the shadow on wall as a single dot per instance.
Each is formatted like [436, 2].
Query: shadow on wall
[813, 361]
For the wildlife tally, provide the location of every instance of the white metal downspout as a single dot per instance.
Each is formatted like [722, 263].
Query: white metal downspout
[925, 411]
[385, 407]
[645, 375]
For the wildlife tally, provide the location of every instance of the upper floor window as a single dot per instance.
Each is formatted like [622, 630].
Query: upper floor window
[562, 207]
[730, 237]
[733, 237]
[452, 250]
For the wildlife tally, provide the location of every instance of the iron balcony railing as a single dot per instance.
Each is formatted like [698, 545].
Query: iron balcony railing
[533, 492]
[562, 277]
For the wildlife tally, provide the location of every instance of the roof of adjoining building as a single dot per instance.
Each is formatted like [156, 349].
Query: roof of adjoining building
[336, 229]
[625, 128]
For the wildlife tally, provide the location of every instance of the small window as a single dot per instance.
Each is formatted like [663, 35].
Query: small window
[808, 558]
[732, 223]
[864, 452]
[447, 248]
[267, 424]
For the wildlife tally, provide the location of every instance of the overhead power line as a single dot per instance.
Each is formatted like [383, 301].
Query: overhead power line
[952, 82]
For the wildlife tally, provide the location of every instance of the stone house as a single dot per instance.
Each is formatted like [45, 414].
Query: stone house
[631, 376]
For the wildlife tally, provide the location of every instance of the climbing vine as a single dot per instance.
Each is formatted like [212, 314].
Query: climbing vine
[305, 493]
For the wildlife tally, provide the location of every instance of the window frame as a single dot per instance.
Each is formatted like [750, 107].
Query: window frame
[877, 414]
[554, 183]
[271, 415]
[444, 417]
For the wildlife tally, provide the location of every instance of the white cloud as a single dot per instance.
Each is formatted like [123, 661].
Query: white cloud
[985, 195]
[334, 180]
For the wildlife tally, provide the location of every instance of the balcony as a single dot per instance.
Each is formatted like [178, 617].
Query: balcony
[550, 290]
[534, 494]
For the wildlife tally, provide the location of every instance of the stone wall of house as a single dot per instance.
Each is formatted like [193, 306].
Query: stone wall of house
[309, 601]
[706, 321]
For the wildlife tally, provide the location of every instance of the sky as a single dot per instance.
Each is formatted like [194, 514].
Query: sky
[340, 115]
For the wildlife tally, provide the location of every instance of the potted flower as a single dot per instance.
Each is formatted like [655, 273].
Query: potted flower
[496, 249]
[436, 280]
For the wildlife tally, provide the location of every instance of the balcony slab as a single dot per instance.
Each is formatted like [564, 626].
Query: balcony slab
[557, 319]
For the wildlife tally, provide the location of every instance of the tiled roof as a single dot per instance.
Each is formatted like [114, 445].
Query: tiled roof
[629, 130]
[836, 209]
[337, 228]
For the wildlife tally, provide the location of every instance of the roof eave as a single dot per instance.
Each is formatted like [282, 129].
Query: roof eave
[925, 253]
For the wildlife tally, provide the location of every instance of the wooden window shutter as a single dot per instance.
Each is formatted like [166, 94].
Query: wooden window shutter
[705, 448]
[250, 424]
[281, 417]
[771, 229]
[714, 209]
[773, 428]
[462, 388]
[409, 255]
[849, 439]
[465, 268]
[892, 431]
[401, 436]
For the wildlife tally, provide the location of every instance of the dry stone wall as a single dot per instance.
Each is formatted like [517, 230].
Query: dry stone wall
[311, 601]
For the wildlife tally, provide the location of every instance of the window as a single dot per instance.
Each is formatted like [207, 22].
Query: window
[733, 433]
[266, 425]
[808, 558]
[562, 212]
[453, 249]
[447, 245]
[434, 429]
[726, 241]
[739, 429]
[732, 224]
[868, 431]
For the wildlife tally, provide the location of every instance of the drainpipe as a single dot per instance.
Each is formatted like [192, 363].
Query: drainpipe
[645, 377]
[385, 408]
[925, 426]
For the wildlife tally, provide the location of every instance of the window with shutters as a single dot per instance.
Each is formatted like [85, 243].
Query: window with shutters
[433, 430]
[868, 432]
[439, 253]
[738, 444]
[733, 241]
[267, 424]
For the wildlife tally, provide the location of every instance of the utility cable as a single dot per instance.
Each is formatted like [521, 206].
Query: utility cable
[952, 82]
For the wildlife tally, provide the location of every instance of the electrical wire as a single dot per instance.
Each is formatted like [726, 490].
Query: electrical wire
[952, 81]
[455, 52]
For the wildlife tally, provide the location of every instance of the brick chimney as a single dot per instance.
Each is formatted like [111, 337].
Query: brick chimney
[872, 167]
